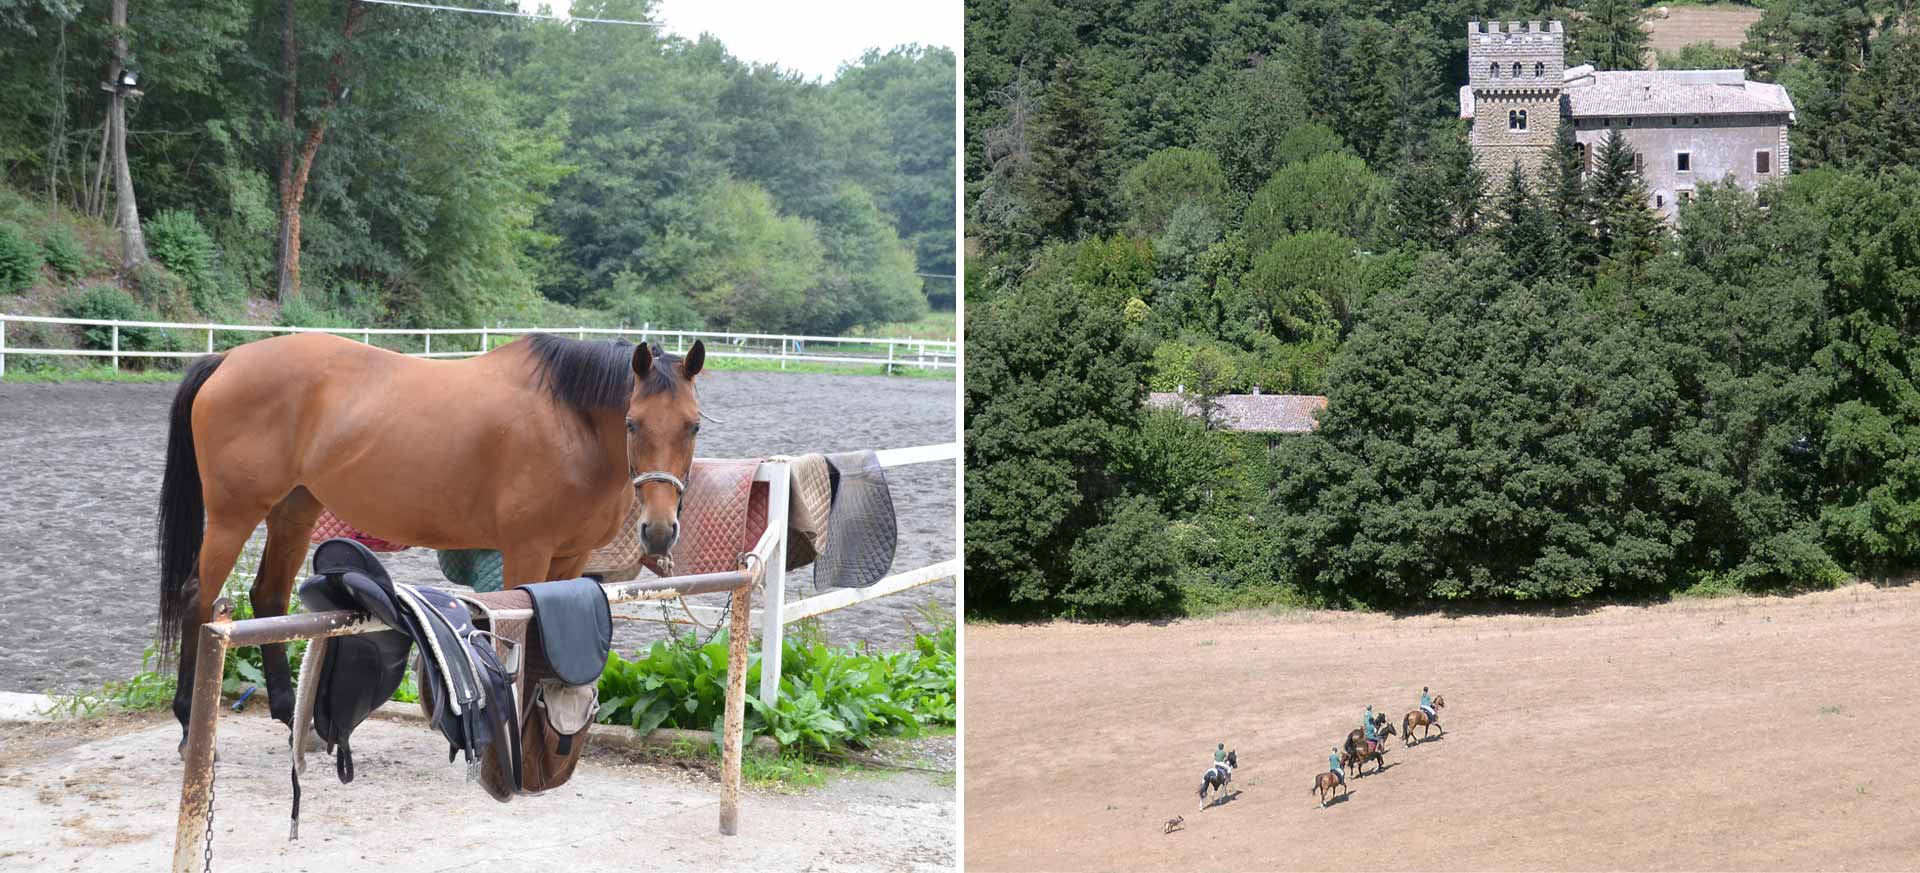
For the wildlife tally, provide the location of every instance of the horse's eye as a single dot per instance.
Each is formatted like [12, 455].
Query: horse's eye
[696, 428]
[629, 425]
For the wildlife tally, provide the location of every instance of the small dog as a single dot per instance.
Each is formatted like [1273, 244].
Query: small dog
[1173, 823]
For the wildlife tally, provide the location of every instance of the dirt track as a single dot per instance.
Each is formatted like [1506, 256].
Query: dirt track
[80, 472]
[1723, 735]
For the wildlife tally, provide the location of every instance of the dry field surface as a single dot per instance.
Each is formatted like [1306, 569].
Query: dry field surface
[1736, 734]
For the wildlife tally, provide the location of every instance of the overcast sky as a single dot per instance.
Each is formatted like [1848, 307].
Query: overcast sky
[813, 38]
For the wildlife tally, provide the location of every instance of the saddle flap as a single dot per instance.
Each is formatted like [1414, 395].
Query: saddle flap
[574, 626]
[862, 532]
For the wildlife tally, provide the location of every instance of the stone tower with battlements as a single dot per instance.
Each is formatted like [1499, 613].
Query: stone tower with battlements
[1514, 76]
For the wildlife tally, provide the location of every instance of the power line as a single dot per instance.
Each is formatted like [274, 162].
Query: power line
[514, 14]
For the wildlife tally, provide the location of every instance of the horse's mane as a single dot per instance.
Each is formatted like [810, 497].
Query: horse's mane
[596, 375]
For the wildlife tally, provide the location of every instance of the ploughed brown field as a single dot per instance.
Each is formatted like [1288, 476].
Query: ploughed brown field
[1743, 733]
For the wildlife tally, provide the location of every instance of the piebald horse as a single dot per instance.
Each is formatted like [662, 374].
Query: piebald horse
[537, 449]
[1418, 719]
[1216, 778]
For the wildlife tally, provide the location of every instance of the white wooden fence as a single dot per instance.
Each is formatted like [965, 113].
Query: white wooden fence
[890, 352]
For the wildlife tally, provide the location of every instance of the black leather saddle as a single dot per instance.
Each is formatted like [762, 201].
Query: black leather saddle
[474, 705]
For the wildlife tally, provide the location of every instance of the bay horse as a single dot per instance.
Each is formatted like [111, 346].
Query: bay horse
[1417, 718]
[537, 449]
[1357, 752]
[1217, 777]
[1327, 781]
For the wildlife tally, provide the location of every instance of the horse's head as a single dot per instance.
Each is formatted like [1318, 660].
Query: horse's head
[1439, 702]
[1233, 760]
[663, 415]
[1386, 730]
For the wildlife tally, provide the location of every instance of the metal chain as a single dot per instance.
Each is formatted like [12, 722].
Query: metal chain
[210, 784]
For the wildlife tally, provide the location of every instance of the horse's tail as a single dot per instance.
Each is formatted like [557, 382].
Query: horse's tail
[182, 506]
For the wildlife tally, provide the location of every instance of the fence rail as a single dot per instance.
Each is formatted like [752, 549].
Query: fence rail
[890, 352]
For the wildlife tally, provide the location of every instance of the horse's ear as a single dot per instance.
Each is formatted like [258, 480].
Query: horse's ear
[695, 359]
[642, 361]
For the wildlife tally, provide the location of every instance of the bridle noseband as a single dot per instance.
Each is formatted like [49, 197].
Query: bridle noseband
[679, 487]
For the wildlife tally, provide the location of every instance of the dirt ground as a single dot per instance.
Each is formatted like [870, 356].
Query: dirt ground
[1684, 25]
[1738, 734]
[80, 469]
[102, 796]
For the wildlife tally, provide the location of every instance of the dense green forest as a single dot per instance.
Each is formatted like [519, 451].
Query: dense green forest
[352, 163]
[1537, 390]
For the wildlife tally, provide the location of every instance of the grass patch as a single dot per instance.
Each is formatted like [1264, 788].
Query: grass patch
[936, 325]
[1205, 600]
[85, 374]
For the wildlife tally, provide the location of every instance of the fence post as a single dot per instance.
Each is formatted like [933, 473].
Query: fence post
[429, 338]
[3, 348]
[679, 343]
[209, 340]
[116, 348]
[484, 345]
[783, 353]
[889, 359]
[773, 612]
[583, 332]
[367, 337]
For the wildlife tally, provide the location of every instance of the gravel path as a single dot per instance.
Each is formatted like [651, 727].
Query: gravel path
[80, 469]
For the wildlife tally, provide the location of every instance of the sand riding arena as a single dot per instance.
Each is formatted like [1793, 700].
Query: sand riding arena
[1744, 733]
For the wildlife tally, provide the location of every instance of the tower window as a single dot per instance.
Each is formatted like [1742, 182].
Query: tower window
[1493, 69]
[1763, 162]
[1516, 69]
[1516, 119]
[1683, 162]
[1539, 69]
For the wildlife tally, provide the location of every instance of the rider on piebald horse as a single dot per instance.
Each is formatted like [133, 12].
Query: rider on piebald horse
[1220, 755]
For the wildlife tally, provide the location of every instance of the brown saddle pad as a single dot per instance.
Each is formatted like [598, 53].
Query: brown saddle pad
[555, 718]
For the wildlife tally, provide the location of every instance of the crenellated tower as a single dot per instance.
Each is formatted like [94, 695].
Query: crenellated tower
[1515, 76]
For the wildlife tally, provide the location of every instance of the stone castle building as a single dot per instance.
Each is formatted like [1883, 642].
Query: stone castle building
[1686, 126]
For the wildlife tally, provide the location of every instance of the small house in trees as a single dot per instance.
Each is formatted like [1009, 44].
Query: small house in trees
[1686, 127]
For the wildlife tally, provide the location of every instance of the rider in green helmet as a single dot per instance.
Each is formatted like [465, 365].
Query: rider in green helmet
[1373, 733]
[1220, 754]
[1333, 764]
[1426, 704]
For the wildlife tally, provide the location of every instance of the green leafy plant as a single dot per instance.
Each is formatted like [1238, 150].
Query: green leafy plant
[830, 697]
[19, 260]
[65, 253]
[109, 303]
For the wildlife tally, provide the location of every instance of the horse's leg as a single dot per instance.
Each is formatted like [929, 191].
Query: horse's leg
[524, 565]
[288, 525]
[226, 535]
[567, 568]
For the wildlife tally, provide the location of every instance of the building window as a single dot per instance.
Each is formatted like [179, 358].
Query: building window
[1684, 195]
[1493, 69]
[1683, 162]
[1659, 201]
[1516, 69]
[1586, 157]
[1629, 122]
[1763, 162]
[1639, 163]
[1539, 69]
[1516, 119]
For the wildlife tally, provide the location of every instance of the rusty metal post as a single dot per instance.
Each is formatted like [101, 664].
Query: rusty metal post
[736, 715]
[196, 786]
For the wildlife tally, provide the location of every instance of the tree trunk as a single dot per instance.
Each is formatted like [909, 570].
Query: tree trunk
[290, 84]
[127, 214]
[295, 170]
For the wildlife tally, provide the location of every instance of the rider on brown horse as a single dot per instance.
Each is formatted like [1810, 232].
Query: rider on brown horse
[1333, 764]
[1372, 729]
[1426, 705]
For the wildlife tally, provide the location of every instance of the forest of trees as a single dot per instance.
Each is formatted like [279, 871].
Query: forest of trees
[1537, 391]
[387, 165]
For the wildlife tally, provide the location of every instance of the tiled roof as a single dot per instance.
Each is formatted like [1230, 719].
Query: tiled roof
[1253, 413]
[1673, 92]
[1662, 92]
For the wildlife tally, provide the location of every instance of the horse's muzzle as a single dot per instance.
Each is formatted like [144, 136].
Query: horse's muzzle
[659, 538]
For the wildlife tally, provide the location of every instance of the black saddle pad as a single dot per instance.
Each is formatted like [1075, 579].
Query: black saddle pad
[574, 627]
